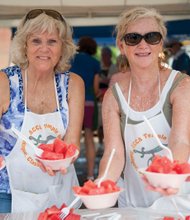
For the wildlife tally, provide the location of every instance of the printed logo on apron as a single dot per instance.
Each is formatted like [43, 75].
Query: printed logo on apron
[140, 155]
[35, 135]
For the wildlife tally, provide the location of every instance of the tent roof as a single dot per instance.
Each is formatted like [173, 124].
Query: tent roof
[98, 18]
[88, 12]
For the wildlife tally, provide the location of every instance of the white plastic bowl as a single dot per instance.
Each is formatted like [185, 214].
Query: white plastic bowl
[100, 201]
[164, 180]
[58, 164]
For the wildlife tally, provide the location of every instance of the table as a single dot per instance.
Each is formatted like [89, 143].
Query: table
[126, 214]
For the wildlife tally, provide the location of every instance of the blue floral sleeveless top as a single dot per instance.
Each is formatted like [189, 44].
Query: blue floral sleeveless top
[15, 113]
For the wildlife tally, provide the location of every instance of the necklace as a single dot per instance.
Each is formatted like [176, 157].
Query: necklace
[140, 102]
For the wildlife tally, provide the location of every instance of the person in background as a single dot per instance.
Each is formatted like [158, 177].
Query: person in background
[108, 68]
[181, 60]
[88, 68]
[150, 89]
[43, 100]
[123, 67]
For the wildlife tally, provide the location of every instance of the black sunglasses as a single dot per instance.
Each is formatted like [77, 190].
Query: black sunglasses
[52, 13]
[133, 39]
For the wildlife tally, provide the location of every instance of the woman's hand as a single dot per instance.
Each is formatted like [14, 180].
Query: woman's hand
[74, 159]
[163, 191]
[50, 171]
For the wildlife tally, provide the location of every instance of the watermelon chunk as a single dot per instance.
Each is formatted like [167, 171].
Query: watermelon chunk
[57, 150]
[71, 150]
[53, 213]
[59, 146]
[161, 164]
[51, 156]
[47, 147]
[90, 188]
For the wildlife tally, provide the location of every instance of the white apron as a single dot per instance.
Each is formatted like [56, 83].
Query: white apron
[141, 146]
[31, 188]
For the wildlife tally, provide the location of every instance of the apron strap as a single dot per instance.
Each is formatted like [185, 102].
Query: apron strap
[123, 104]
[168, 85]
[56, 96]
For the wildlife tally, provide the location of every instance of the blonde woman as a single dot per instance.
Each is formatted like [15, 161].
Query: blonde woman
[44, 101]
[150, 89]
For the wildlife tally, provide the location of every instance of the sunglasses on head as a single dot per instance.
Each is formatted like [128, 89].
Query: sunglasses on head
[133, 39]
[52, 13]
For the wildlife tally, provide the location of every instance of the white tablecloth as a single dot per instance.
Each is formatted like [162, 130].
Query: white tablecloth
[126, 214]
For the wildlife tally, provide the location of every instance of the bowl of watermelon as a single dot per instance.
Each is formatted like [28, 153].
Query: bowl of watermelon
[164, 173]
[58, 154]
[95, 197]
[53, 213]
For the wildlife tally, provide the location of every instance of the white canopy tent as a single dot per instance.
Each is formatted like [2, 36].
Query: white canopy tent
[88, 12]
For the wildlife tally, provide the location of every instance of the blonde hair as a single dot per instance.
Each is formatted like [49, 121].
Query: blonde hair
[122, 63]
[130, 16]
[40, 24]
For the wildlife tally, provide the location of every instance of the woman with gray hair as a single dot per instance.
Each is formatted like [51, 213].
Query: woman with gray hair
[44, 101]
[149, 89]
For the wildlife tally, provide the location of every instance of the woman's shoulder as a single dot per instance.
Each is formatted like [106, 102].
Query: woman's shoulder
[75, 78]
[181, 85]
[7, 72]
[122, 79]
[119, 77]
[179, 77]
[75, 86]
[11, 70]
[3, 78]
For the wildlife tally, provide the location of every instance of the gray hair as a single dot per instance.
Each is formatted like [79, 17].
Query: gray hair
[40, 24]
